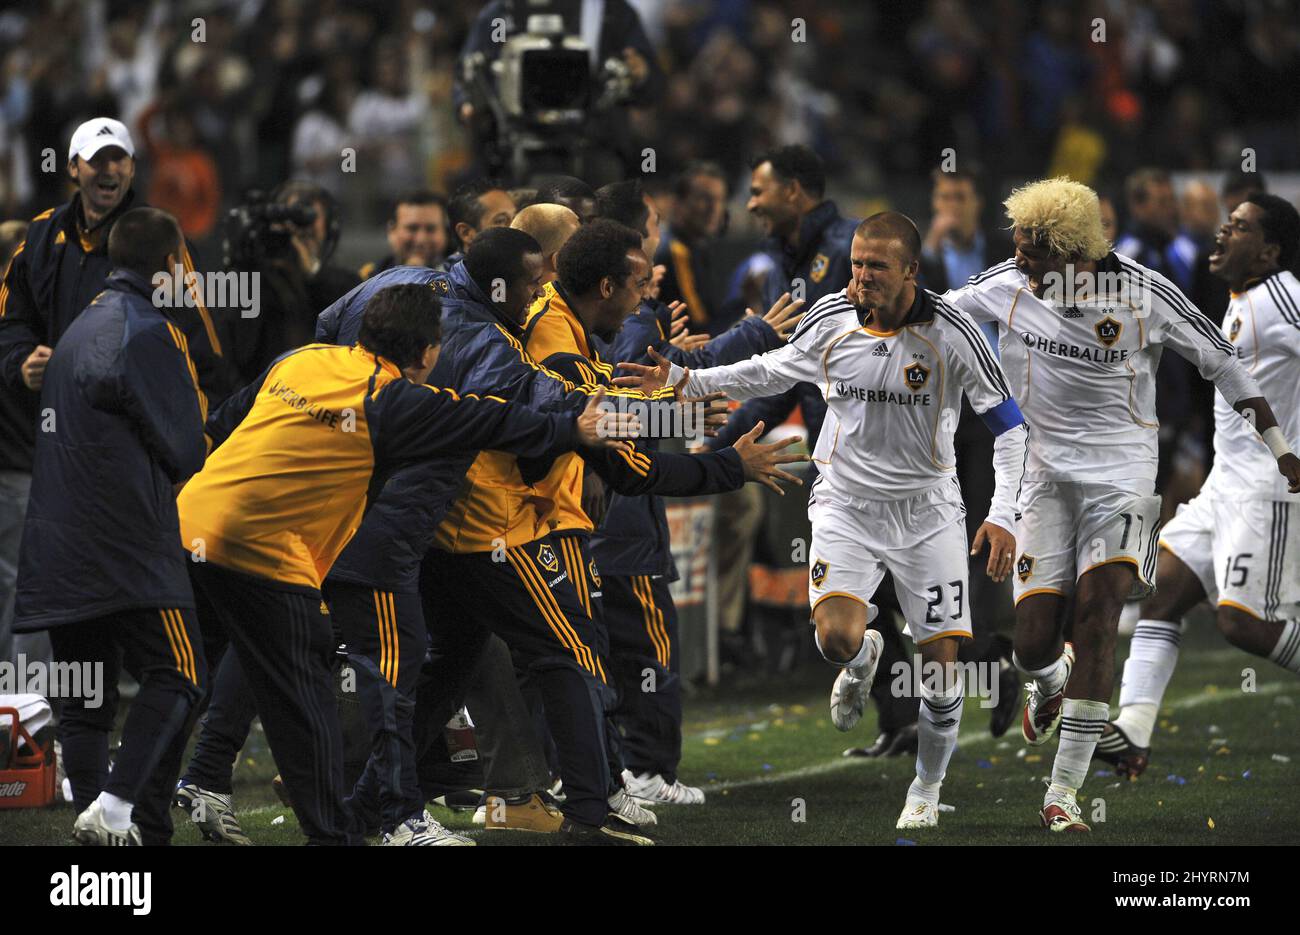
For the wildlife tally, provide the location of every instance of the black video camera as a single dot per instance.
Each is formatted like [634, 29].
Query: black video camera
[260, 230]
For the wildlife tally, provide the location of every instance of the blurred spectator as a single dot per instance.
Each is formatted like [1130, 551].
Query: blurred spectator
[1200, 213]
[955, 248]
[384, 122]
[320, 137]
[1109, 218]
[1152, 237]
[417, 233]
[183, 181]
[698, 219]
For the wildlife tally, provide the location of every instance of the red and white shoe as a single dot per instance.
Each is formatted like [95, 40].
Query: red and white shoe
[1043, 712]
[1060, 814]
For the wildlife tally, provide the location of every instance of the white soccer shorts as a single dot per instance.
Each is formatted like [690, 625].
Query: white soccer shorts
[1068, 528]
[920, 540]
[1246, 553]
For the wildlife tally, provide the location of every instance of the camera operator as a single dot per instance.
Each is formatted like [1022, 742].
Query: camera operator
[287, 240]
[622, 72]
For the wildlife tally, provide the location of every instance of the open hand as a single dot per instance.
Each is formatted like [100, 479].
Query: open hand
[762, 461]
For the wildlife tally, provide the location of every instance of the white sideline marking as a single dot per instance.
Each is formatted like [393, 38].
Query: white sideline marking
[978, 737]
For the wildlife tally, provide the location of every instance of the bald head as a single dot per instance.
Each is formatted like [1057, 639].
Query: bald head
[551, 226]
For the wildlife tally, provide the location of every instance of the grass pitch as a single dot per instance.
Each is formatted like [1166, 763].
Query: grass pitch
[1224, 769]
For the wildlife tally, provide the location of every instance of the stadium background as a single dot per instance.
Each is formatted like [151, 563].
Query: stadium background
[878, 89]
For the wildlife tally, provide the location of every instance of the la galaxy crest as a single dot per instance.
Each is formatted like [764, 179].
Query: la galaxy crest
[1234, 330]
[820, 264]
[1025, 566]
[595, 575]
[546, 558]
[818, 572]
[1108, 330]
[915, 374]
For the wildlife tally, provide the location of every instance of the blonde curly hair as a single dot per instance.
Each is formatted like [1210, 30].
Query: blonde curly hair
[1061, 213]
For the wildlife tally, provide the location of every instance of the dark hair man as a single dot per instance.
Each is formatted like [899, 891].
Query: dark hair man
[284, 490]
[417, 233]
[1244, 509]
[569, 191]
[54, 273]
[474, 207]
[99, 567]
[604, 272]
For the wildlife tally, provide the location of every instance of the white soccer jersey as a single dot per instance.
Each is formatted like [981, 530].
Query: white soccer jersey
[1084, 374]
[1263, 323]
[893, 397]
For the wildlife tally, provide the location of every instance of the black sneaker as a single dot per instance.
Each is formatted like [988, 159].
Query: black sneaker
[1008, 706]
[890, 743]
[614, 831]
[1115, 748]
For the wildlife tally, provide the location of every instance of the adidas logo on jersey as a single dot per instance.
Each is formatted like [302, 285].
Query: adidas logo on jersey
[1072, 312]
[881, 350]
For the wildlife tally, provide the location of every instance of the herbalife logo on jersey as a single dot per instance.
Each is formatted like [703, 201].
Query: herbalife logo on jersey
[881, 350]
[1077, 292]
[103, 888]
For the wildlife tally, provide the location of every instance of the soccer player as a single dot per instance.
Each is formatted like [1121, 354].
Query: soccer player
[1081, 331]
[99, 566]
[283, 491]
[892, 364]
[1234, 543]
[495, 564]
[632, 562]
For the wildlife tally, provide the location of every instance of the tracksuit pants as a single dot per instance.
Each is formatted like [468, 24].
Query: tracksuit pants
[386, 641]
[530, 601]
[163, 651]
[642, 622]
[285, 645]
[578, 562]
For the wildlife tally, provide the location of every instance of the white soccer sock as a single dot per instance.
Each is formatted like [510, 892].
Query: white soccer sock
[936, 733]
[927, 791]
[1287, 651]
[1081, 724]
[854, 665]
[1151, 659]
[117, 811]
[1050, 679]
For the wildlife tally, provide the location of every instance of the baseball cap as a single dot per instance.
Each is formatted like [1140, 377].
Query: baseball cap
[95, 134]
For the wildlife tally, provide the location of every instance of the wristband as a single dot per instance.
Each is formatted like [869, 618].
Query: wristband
[1276, 442]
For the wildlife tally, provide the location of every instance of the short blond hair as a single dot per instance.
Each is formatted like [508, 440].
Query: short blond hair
[550, 225]
[1061, 213]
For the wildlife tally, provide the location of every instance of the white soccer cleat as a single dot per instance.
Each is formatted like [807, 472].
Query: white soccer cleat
[629, 809]
[425, 831]
[849, 696]
[918, 813]
[1060, 813]
[91, 829]
[1043, 712]
[654, 789]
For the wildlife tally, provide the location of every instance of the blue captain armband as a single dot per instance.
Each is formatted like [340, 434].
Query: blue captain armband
[1003, 417]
